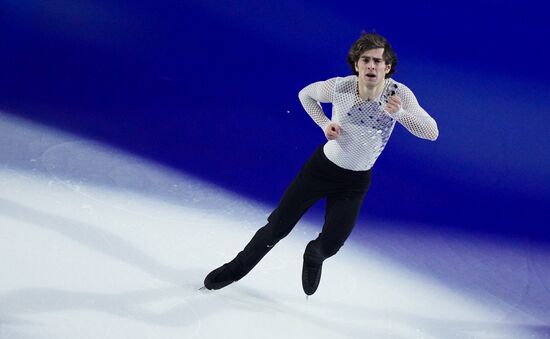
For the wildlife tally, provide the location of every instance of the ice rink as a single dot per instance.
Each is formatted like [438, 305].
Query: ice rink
[97, 243]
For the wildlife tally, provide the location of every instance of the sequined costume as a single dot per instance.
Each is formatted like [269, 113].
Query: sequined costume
[365, 126]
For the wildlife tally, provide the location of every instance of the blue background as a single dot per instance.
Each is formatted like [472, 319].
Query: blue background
[210, 88]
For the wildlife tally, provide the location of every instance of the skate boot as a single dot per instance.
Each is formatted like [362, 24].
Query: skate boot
[219, 278]
[311, 270]
[260, 244]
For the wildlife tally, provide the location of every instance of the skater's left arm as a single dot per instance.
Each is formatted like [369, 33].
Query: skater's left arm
[404, 107]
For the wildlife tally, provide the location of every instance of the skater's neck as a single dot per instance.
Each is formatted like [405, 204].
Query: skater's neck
[369, 93]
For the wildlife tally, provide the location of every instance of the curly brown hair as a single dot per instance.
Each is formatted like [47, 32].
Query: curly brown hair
[371, 41]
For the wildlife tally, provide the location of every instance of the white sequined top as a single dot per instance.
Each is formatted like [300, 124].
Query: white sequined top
[365, 126]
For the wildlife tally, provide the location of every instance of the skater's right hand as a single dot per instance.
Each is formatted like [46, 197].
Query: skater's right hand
[332, 131]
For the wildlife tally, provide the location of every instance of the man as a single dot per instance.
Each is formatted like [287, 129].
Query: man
[365, 108]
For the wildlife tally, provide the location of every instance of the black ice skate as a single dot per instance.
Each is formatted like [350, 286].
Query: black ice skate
[311, 270]
[219, 278]
[311, 276]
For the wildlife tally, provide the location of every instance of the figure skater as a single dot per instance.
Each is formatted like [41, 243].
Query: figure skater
[365, 109]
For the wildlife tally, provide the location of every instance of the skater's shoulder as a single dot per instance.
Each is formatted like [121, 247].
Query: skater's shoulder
[345, 84]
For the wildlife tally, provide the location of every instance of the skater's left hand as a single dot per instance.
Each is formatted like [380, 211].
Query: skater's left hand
[394, 104]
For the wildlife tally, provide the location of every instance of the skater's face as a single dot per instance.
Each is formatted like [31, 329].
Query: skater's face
[372, 68]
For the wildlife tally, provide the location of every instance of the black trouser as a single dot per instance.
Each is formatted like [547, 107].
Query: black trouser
[319, 177]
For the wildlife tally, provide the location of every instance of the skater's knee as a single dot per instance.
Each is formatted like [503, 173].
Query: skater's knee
[274, 232]
[279, 232]
[282, 223]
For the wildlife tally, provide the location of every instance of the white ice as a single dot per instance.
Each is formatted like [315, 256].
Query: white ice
[98, 243]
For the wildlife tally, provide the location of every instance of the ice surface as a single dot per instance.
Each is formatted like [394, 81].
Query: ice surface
[96, 243]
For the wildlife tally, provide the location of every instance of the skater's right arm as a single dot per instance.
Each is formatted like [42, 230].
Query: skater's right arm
[312, 95]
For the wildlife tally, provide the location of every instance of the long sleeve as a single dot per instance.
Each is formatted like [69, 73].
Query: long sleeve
[312, 95]
[414, 118]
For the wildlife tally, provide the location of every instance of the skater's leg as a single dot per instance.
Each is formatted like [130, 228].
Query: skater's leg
[341, 215]
[298, 197]
[340, 218]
